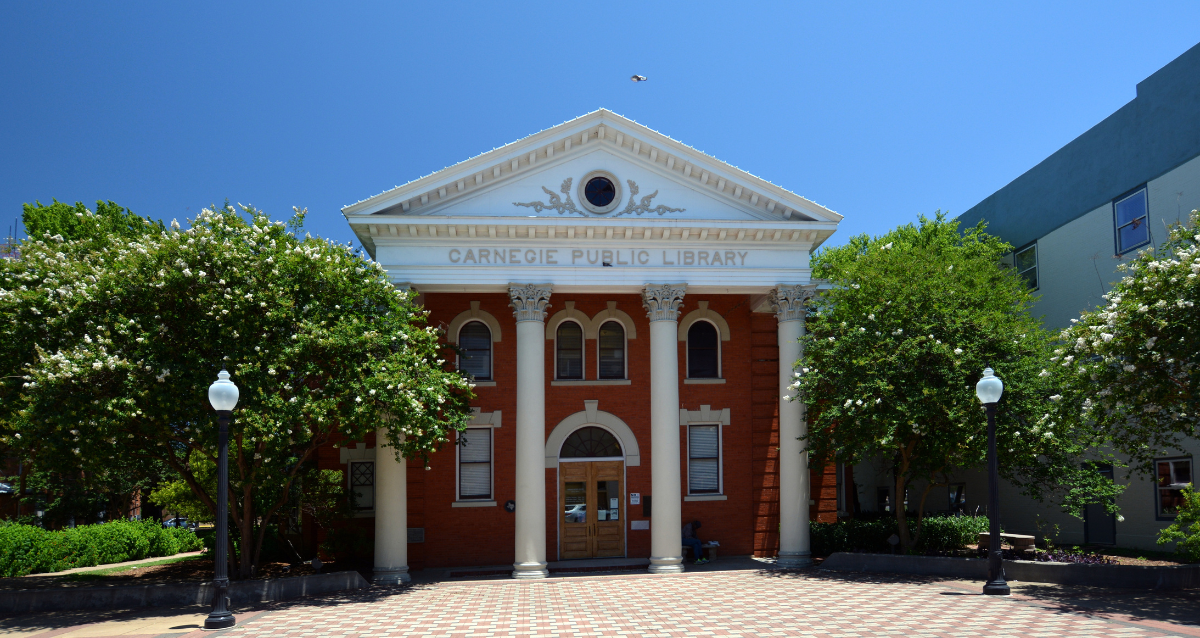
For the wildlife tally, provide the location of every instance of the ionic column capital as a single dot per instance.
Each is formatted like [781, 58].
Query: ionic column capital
[663, 301]
[529, 301]
[790, 301]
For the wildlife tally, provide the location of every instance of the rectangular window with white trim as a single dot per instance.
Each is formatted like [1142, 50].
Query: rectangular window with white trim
[704, 459]
[362, 485]
[475, 464]
[1173, 475]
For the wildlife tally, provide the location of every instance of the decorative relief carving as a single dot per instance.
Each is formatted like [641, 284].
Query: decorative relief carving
[564, 204]
[644, 206]
[556, 203]
[791, 302]
[529, 302]
[662, 302]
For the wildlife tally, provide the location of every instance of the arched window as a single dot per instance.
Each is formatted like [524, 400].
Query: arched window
[612, 350]
[475, 342]
[704, 357]
[590, 442]
[569, 342]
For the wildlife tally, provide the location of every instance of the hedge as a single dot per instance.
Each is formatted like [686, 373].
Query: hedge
[938, 534]
[25, 549]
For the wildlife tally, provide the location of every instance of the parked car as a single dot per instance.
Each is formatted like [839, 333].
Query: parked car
[179, 521]
[576, 513]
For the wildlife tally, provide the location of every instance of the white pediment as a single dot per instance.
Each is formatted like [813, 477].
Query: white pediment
[517, 213]
[689, 183]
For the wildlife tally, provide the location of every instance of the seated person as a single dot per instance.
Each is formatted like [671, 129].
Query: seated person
[691, 540]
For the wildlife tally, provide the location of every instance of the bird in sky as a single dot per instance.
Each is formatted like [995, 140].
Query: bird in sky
[638, 78]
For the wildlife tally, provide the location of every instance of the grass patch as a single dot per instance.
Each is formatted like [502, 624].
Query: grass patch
[93, 574]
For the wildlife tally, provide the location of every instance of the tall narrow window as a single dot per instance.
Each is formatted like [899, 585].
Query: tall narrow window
[475, 464]
[1133, 229]
[1027, 265]
[704, 459]
[1173, 476]
[703, 355]
[362, 485]
[569, 341]
[475, 341]
[612, 351]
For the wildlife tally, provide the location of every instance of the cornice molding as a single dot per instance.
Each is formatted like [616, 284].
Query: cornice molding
[372, 230]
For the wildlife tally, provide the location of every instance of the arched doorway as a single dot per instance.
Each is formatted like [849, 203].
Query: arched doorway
[591, 494]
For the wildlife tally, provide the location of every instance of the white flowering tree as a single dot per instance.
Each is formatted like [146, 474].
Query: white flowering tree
[893, 353]
[1131, 368]
[109, 341]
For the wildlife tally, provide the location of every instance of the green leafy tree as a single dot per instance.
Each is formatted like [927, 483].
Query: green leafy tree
[109, 341]
[893, 353]
[77, 222]
[1185, 529]
[1131, 368]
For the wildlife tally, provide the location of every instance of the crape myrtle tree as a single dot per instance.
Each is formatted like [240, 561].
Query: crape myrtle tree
[1131, 368]
[894, 350]
[109, 342]
[67, 493]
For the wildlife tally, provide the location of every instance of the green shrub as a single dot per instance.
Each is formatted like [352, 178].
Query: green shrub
[25, 549]
[1185, 531]
[938, 534]
[186, 539]
[948, 533]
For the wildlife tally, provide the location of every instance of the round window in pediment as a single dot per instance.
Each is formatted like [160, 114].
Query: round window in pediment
[599, 192]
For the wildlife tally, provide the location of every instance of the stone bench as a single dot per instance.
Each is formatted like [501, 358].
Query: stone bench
[710, 546]
[1018, 542]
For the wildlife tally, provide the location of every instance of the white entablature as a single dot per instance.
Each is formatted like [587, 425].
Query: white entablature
[672, 213]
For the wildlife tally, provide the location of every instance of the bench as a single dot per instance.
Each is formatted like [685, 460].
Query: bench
[1020, 543]
[710, 546]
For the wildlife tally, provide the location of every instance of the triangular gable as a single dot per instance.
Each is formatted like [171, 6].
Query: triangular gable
[525, 169]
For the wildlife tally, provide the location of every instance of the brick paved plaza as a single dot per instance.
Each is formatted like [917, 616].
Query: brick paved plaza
[705, 602]
[738, 603]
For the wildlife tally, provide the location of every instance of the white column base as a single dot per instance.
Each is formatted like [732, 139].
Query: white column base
[391, 576]
[667, 565]
[530, 571]
[794, 559]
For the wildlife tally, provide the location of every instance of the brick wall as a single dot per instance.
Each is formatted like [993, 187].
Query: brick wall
[746, 522]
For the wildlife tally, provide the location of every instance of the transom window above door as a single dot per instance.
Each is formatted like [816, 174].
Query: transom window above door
[590, 442]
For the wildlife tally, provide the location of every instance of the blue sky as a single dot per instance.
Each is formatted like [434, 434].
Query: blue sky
[878, 111]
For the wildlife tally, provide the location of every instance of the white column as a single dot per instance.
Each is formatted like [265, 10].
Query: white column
[662, 304]
[529, 303]
[794, 482]
[391, 513]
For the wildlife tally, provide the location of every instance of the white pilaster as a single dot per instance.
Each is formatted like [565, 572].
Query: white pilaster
[391, 513]
[662, 304]
[529, 303]
[794, 483]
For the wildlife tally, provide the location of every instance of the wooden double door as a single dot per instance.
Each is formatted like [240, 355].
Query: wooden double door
[592, 506]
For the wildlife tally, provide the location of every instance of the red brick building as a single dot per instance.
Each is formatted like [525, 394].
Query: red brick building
[630, 309]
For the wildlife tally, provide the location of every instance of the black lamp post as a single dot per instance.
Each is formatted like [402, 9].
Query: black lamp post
[223, 395]
[989, 390]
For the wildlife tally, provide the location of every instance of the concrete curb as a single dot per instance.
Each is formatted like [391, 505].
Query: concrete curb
[175, 594]
[1115, 576]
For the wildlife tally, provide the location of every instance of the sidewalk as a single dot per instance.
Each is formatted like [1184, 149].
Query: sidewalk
[626, 600]
[160, 622]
